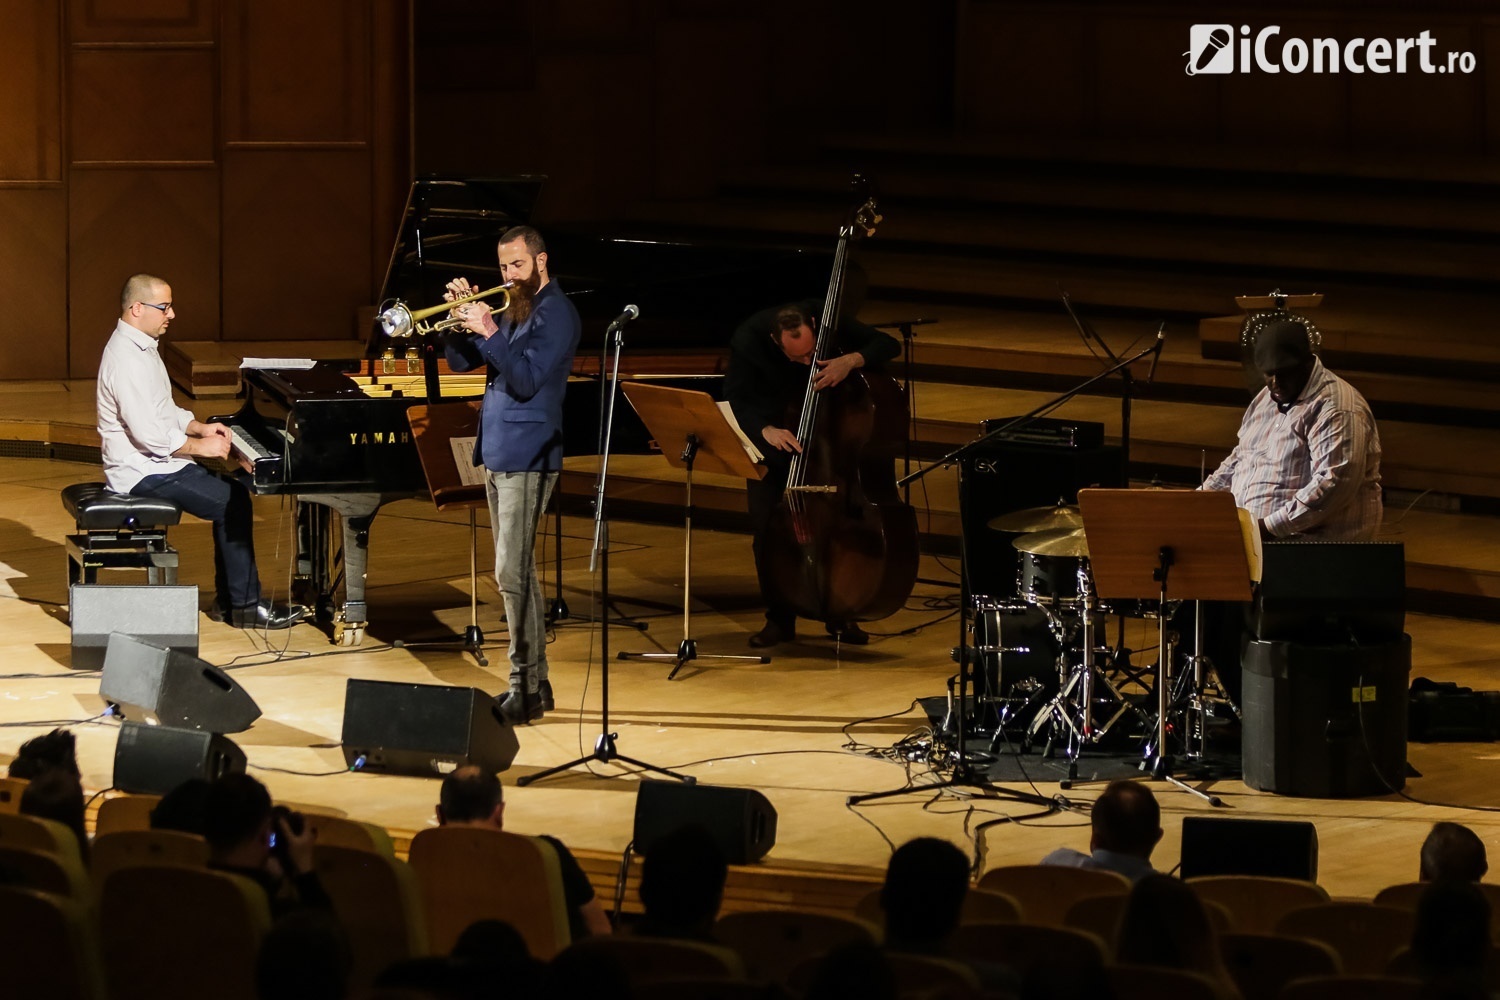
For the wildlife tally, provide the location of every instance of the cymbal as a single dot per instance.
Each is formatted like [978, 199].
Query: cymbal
[1069, 542]
[1038, 519]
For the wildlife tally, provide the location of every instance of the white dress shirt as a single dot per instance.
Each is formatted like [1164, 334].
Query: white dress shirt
[139, 425]
[1310, 468]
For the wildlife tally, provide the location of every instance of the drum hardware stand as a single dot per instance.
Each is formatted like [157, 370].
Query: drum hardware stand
[605, 751]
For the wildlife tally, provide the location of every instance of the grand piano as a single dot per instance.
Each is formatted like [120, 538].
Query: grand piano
[336, 435]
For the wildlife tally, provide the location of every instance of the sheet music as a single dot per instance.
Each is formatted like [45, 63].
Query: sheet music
[734, 425]
[284, 364]
[463, 456]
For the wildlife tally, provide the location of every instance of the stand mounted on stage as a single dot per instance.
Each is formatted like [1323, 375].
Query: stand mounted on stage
[708, 441]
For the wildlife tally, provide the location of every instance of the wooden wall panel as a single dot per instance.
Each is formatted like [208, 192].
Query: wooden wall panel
[1143, 91]
[296, 243]
[296, 71]
[30, 91]
[33, 283]
[1419, 112]
[1302, 108]
[142, 105]
[1027, 70]
[141, 20]
[120, 222]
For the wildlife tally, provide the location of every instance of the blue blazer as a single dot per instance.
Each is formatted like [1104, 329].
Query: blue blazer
[520, 424]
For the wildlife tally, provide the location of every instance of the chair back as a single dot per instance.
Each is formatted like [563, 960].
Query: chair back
[1256, 902]
[1147, 982]
[378, 902]
[1024, 947]
[54, 940]
[1352, 988]
[771, 943]
[39, 834]
[340, 831]
[1366, 936]
[172, 933]
[474, 873]
[1045, 892]
[929, 976]
[1406, 895]
[1261, 964]
[125, 812]
[133, 848]
[43, 871]
[648, 961]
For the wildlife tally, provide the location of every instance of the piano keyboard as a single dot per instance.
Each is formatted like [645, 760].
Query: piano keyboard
[250, 447]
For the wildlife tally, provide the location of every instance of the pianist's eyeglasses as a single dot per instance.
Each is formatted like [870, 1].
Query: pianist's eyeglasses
[162, 306]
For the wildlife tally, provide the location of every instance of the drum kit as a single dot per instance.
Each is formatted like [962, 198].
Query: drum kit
[1096, 688]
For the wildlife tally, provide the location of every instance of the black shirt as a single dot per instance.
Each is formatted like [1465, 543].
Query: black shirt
[577, 889]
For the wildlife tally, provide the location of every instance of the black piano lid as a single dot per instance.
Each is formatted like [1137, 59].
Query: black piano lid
[690, 295]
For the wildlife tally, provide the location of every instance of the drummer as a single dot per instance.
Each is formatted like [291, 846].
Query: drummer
[1308, 459]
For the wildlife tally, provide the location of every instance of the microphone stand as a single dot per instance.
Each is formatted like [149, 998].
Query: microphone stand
[605, 751]
[964, 775]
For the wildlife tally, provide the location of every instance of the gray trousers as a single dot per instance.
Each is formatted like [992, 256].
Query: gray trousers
[517, 500]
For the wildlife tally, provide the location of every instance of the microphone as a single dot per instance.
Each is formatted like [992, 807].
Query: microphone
[1161, 338]
[616, 324]
[1216, 41]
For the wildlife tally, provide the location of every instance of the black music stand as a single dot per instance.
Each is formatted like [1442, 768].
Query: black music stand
[695, 420]
[1142, 540]
[433, 429]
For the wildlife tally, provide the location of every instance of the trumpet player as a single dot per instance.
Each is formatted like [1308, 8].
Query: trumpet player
[528, 350]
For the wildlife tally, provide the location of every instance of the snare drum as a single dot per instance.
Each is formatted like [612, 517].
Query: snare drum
[1049, 581]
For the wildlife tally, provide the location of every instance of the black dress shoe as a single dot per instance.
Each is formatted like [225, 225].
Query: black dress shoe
[544, 696]
[772, 634]
[851, 634]
[518, 707]
[266, 615]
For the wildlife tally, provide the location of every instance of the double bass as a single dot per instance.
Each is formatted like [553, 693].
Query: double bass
[841, 546]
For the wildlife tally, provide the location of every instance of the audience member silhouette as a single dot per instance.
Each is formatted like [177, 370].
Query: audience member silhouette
[472, 797]
[55, 794]
[239, 824]
[184, 808]
[1450, 940]
[923, 895]
[56, 749]
[1453, 851]
[682, 885]
[1165, 925]
[305, 956]
[1126, 826]
[853, 972]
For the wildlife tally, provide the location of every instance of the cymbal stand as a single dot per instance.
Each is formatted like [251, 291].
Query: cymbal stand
[1203, 677]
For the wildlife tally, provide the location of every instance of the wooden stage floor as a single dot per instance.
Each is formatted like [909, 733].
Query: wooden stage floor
[778, 727]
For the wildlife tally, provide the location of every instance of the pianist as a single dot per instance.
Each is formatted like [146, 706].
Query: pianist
[529, 354]
[148, 444]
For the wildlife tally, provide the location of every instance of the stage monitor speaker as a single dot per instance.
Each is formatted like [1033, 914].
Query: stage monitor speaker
[1325, 721]
[1001, 478]
[1279, 848]
[163, 616]
[741, 821]
[172, 688]
[156, 759]
[424, 729]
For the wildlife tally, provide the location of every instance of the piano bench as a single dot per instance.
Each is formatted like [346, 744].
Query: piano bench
[119, 531]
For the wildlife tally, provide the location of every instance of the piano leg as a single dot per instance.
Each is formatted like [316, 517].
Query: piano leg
[331, 563]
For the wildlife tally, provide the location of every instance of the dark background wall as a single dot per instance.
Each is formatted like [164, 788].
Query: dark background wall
[257, 152]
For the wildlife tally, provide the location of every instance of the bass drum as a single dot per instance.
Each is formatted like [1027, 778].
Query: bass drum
[1016, 653]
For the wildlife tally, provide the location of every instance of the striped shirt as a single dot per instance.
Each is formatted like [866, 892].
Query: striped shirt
[1313, 470]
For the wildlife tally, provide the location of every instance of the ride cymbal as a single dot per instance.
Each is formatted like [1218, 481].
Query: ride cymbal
[1038, 519]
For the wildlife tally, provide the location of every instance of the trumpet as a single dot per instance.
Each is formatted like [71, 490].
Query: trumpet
[399, 321]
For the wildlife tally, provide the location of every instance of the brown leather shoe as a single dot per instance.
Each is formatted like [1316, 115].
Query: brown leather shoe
[773, 634]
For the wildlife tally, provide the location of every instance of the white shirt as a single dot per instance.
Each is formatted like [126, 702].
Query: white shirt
[139, 425]
[1310, 468]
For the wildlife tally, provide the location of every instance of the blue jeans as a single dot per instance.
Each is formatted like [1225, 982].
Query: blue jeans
[517, 500]
[225, 502]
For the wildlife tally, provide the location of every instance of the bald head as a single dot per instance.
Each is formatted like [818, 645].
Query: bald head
[141, 288]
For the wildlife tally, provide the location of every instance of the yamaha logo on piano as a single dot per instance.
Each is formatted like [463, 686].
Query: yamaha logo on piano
[380, 437]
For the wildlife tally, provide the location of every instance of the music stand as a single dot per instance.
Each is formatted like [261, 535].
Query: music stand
[433, 430]
[695, 420]
[1140, 541]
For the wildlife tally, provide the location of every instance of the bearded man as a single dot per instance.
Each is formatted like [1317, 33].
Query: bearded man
[529, 354]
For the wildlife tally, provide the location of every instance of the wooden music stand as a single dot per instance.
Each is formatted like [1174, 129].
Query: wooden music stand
[710, 443]
[1142, 540]
[433, 429]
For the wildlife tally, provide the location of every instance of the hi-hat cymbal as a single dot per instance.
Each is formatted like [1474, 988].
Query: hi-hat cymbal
[1038, 519]
[1069, 542]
